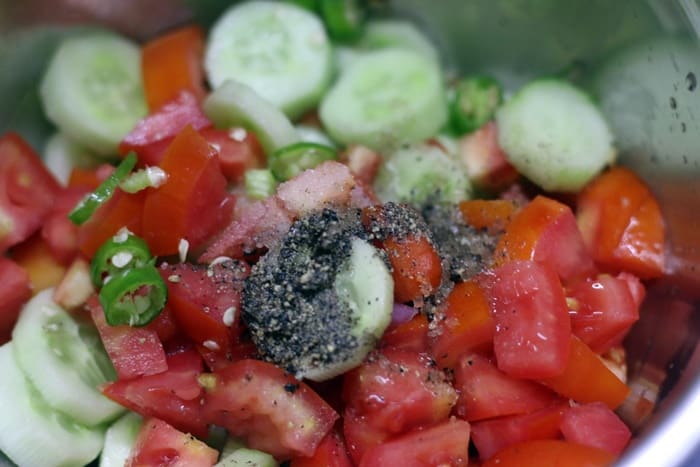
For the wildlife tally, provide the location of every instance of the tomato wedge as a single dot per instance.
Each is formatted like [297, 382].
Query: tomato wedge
[492, 214]
[14, 291]
[238, 150]
[159, 444]
[416, 267]
[330, 453]
[595, 425]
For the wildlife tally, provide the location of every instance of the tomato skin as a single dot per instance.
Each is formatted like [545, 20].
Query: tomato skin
[595, 425]
[27, 191]
[411, 335]
[89, 179]
[330, 453]
[192, 202]
[416, 267]
[360, 435]
[160, 445]
[552, 453]
[15, 290]
[622, 224]
[236, 154]
[443, 444]
[268, 408]
[532, 320]
[171, 63]
[492, 214]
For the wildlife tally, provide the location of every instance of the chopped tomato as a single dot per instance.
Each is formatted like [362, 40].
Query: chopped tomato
[532, 320]
[491, 436]
[595, 425]
[330, 453]
[587, 379]
[491, 214]
[268, 408]
[238, 151]
[486, 392]
[363, 162]
[416, 267]
[464, 326]
[133, 351]
[486, 163]
[603, 311]
[411, 335]
[550, 452]
[89, 178]
[398, 390]
[14, 291]
[622, 224]
[27, 191]
[545, 231]
[360, 435]
[174, 396]
[164, 326]
[36, 259]
[192, 202]
[205, 303]
[60, 234]
[160, 445]
[443, 444]
[171, 63]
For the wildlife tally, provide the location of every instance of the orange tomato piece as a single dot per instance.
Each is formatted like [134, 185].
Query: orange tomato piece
[35, 257]
[552, 453]
[493, 214]
[411, 335]
[417, 269]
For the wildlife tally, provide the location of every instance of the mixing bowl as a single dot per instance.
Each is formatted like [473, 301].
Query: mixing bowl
[638, 58]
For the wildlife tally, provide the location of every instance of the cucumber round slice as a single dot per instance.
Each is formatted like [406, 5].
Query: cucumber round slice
[119, 440]
[384, 98]
[236, 104]
[280, 50]
[383, 34]
[420, 174]
[92, 90]
[33, 434]
[235, 454]
[62, 154]
[555, 135]
[64, 360]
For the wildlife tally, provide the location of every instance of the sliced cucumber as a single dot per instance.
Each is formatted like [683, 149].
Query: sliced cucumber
[386, 97]
[280, 50]
[383, 34]
[62, 154]
[555, 135]
[235, 454]
[420, 174]
[236, 104]
[33, 434]
[65, 360]
[92, 90]
[119, 440]
[311, 134]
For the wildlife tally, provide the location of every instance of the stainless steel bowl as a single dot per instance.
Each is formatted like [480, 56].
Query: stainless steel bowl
[639, 58]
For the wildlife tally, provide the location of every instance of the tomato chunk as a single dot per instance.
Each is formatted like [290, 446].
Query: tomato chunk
[550, 452]
[493, 214]
[35, 257]
[60, 234]
[595, 425]
[532, 320]
[14, 291]
[268, 408]
[238, 150]
[159, 444]
[330, 453]
[484, 159]
[360, 434]
[411, 335]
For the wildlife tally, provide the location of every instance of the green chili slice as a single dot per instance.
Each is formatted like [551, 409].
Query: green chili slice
[87, 206]
[343, 18]
[135, 297]
[117, 255]
[289, 161]
[474, 102]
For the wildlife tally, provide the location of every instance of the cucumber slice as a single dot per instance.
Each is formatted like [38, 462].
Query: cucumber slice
[235, 454]
[33, 434]
[65, 360]
[555, 135]
[420, 174]
[383, 34]
[280, 50]
[311, 134]
[386, 97]
[236, 104]
[119, 440]
[92, 90]
[62, 154]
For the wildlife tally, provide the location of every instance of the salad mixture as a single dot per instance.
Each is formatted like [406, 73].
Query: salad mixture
[296, 240]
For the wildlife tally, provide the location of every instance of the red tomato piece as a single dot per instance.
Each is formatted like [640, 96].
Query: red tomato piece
[268, 408]
[532, 320]
[411, 335]
[151, 136]
[595, 425]
[443, 444]
[466, 325]
[360, 435]
[587, 379]
[205, 303]
[133, 351]
[60, 234]
[416, 267]
[15, 290]
[192, 202]
[545, 231]
[330, 453]
[238, 151]
[550, 452]
[171, 63]
[622, 224]
[89, 178]
[492, 214]
[484, 159]
[363, 162]
[603, 313]
[491, 436]
[486, 392]
[174, 396]
[160, 445]
[27, 191]
[36, 259]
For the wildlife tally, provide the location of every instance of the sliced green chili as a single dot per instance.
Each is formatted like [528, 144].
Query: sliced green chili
[135, 297]
[87, 206]
[474, 103]
[289, 161]
[117, 255]
[259, 183]
[344, 19]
